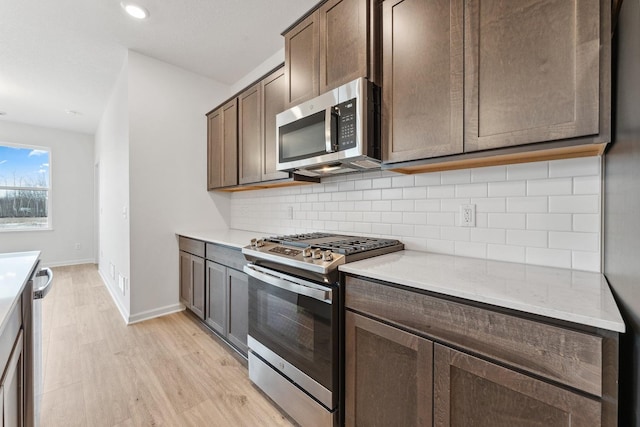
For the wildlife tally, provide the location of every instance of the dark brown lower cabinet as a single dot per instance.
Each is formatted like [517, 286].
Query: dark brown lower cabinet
[12, 387]
[389, 375]
[192, 289]
[228, 304]
[469, 391]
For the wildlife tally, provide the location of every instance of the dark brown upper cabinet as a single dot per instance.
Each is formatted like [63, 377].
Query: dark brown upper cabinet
[222, 147]
[480, 81]
[532, 71]
[333, 45]
[272, 103]
[422, 68]
[249, 135]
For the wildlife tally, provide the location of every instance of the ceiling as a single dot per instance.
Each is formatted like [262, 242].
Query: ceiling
[63, 55]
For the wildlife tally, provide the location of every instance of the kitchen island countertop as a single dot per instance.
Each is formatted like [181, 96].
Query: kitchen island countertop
[570, 295]
[15, 271]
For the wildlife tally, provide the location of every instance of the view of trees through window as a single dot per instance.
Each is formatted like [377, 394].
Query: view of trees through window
[24, 187]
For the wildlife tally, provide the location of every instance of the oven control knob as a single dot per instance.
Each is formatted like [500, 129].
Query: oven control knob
[327, 256]
[260, 243]
[306, 252]
[253, 243]
[317, 253]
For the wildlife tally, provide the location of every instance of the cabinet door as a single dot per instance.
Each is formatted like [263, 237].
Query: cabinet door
[422, 61]
[198, 286]
[186, 279]
[216, 296]
[13, 387]
[388, 375]
[301, 46]
[273, 93]
[343, 42]
[214, 149]
[249, 134]
[230, 143]
[531, 71]
[471, 391]
[238, 309]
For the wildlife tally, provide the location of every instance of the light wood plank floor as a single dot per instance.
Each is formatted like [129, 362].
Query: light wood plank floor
[167, 371]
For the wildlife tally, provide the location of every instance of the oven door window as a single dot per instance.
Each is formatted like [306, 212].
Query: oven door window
[296, 327]
[303, 138]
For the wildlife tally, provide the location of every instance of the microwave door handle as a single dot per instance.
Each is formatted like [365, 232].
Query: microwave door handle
[328, 129]
[288, 285]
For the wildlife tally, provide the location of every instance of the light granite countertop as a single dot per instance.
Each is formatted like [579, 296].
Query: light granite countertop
[227, 237]
[15, 270]
[570, 295]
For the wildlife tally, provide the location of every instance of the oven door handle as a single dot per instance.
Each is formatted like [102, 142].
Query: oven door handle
[291, 284]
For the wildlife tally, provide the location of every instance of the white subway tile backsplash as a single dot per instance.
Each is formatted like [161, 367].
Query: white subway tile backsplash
[506, 253]
[507, 220]
[507, 189]
[471, 190]
[588, 261]
[545, 213]
[574, 204]
[416, 218]
[429, 205]
[403, 181]
[392, 194]
[364, 184]
[471, 249]
[414, 193]
[548, 257]
[574, 240]
[490, 204]
[489, 174]
[455, 233]
[527, 238]
[589, 223]
[586, 185]
[557, 222]
[549, 187]
[440, 218]
[461, 176]
[381, 183]
[402, 205]
[522, 171]
[574, 167]
[425, 179]
[441, 192]
[527, 204]
[488, 235]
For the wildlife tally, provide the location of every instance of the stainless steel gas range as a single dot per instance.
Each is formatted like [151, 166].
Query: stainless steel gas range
[295, 319]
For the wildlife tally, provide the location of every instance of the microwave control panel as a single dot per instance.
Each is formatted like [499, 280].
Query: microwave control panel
[347, 125]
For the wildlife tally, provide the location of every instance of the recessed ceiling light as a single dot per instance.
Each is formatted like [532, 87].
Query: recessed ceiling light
[135, 10]
[3, 113]
[73, 112]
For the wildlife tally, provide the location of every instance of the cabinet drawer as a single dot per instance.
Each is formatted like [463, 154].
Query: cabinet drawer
[563, 355]
[225, 255]
[194, 247]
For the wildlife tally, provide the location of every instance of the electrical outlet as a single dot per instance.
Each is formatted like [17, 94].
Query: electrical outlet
[467, 215]
[122, 283]
[112, 271]
[290, 212]
[78, 246]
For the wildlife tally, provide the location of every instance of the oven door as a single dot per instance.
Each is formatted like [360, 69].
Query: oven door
[293, 325]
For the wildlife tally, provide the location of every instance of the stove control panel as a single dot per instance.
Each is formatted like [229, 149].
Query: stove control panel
[307, 258]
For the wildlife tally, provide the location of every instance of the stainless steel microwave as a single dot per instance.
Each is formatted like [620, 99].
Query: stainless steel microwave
[336, 132]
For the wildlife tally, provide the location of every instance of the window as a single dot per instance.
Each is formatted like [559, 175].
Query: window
[25, 179]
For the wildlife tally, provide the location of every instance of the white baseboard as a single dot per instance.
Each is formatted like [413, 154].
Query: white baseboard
[122, 309]
[156, 312]
[65, 263]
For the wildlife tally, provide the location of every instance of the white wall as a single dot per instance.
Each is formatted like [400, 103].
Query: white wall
[167, 175]
[71, 192]
[269, 64]
[112, 156]
[544, 213]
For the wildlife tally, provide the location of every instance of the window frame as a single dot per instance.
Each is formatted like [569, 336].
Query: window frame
[49, 189]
